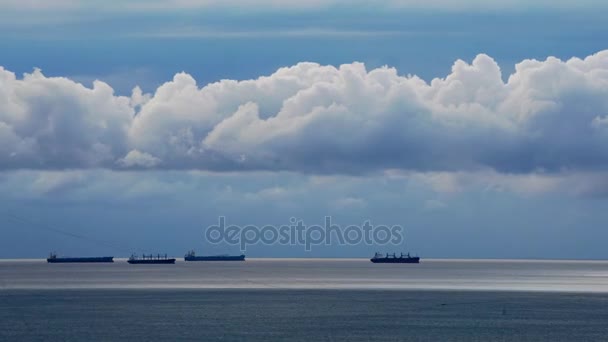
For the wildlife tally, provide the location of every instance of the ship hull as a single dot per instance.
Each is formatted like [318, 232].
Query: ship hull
[79, 260]
[415, 260]
[148, 262]
[216, 258]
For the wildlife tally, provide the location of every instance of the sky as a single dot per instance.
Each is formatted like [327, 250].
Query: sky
[478, 126]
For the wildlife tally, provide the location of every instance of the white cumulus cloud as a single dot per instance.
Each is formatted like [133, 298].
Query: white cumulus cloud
[136, 158]
[549, 117]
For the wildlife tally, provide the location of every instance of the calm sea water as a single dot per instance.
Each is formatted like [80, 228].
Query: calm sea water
[505, 275]
[305, 300]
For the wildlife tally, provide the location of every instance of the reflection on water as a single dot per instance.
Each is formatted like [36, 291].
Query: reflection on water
[515, 275]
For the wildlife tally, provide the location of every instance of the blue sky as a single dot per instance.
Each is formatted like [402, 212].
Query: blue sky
[488, 161]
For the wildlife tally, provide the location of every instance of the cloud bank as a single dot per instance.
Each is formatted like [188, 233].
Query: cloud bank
[549, 116]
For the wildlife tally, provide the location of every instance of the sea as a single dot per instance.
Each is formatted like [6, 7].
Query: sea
[305, 300]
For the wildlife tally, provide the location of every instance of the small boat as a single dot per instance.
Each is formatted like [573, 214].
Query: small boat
[151, 259]
[392, 259]
[191, 256]
[54, 259]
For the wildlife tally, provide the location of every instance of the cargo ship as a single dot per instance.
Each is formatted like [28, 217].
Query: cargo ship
[54, 259]
[191, 256]
[151, 259]
[392, 259]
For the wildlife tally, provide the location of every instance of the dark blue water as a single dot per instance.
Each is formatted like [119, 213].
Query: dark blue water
[305, 300]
